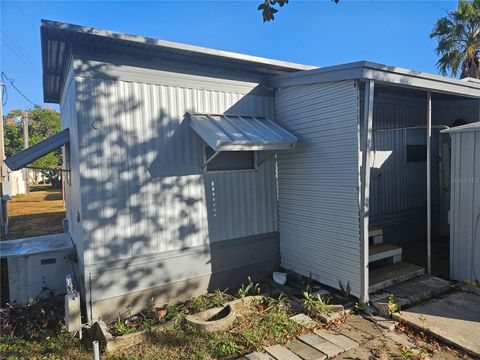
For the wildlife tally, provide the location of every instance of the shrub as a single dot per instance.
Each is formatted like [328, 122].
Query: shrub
[37, 319]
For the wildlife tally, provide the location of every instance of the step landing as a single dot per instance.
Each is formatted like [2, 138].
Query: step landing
[389, 275]
[410, 292]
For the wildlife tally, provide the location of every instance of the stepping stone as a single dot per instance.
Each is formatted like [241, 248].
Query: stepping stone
[385, 323]
[304, 320]
[257, 356]
[320, 344]
[338, 339]
[281, 353]
[304, 351]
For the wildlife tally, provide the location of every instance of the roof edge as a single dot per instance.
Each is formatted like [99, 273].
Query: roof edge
[51, 24]
[381, 73]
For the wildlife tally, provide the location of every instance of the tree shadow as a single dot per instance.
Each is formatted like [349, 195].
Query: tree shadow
[148, 215]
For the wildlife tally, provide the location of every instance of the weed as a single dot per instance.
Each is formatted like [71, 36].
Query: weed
[358, 308]
[405, 353]
[250, 289]
[281, 303]
[148, 323]
[314, 305]
[120, 328]
[346, 291]
[207, 301]
[39, 318]
[223, 345]
[425, 329]
[392, 306]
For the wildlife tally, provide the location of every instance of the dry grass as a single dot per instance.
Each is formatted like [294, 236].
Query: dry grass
[38, 213]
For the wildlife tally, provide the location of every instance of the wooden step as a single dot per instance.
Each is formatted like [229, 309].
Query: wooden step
[389, 275]
[384, 251]
[375, 235]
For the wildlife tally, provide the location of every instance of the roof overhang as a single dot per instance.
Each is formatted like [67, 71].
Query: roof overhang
[365, 70]
[463, 128]
[223, 132]
[59, 38]
[34, 152]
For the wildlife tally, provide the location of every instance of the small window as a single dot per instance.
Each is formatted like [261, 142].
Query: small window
[230, 160]
[416, 153]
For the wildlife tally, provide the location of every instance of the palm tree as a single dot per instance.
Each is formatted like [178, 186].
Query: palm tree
[458, 37]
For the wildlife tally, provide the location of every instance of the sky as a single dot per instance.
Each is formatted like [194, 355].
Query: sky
[319, 33]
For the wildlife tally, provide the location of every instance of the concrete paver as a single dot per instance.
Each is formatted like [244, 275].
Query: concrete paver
[281, 353]
[304, 320]
[304, 351]
[321, 344]
[340, 340]
[257, 356]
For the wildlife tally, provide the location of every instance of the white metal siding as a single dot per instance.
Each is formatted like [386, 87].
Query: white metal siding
[465, 206]
[143, 188]
[72, 188]
[318, 182]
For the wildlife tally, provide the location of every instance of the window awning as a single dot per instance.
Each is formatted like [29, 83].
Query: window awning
[236, 133]
[34, 152]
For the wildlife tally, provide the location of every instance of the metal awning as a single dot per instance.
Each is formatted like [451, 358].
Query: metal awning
[34, 152]
[241, 133]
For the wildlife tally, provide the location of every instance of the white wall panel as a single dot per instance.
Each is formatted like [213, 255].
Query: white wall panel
[143, 188]
[318, 182]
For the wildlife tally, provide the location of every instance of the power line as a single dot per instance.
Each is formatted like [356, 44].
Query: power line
[19, 56]
[18, 45]
[11, 81]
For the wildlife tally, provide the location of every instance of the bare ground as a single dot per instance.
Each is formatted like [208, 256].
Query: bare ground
[39, 213]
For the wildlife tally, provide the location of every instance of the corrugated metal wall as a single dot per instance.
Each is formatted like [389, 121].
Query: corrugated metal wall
[318, 182]
[395, 184]
[465, 206]
[72, 184]
[143, 188]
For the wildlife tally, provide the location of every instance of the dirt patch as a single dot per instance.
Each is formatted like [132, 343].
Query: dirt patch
[39, 213]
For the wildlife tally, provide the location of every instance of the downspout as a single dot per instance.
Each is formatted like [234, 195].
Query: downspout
[365, 188]
[429, 195]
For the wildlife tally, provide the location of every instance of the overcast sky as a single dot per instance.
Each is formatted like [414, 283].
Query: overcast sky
[317, 33]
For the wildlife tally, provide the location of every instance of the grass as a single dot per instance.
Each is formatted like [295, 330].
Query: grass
[263, 324]
[39, 213]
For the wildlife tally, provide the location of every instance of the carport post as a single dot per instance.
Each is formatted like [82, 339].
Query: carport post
[429, 195]
[366, 146]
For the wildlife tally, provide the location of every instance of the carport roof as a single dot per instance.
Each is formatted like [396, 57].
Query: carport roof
[382, 74]
[34, 152]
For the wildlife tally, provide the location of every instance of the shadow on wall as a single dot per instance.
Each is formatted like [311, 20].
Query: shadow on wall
[146, 220]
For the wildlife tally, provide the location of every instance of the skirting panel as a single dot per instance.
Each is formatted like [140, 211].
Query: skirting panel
[115, 288]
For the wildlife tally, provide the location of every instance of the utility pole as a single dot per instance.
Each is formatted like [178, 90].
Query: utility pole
[25, 145]
[2, 170]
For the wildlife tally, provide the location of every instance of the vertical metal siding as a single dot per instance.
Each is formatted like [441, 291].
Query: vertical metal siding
[143, 187]
[465, 206]
[318, 182]
[73, 199]
[396, 185]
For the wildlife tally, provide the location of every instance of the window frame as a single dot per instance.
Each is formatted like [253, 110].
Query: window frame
[206, 171]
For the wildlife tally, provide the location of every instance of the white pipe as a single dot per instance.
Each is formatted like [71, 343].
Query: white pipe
[429, 195]
[96, 350]
[366, 147]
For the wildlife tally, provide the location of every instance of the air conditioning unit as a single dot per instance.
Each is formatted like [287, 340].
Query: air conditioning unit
[34, 266]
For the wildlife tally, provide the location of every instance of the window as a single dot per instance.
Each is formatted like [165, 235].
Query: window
[416, 153]
[230, 160]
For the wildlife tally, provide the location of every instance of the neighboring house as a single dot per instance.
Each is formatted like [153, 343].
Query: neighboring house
[184, 171]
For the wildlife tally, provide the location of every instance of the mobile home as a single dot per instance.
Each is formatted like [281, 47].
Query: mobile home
[188, 169]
